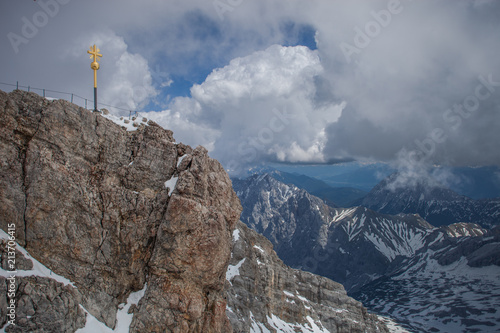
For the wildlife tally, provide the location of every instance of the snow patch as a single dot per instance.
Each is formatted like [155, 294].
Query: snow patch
[341, 214]
[123, 318]
[236, 235]
[92, 325]
[128, 124]
[302, 298]
[282, 326]
[170, 185]
[388, 252]
[37, 270]
[256, 326]
[259, 248]
[179, 161]
[234, 270]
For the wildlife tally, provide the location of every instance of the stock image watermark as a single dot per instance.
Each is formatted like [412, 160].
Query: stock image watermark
[223, 6]
[31, 27]
[453, 117]
[10, 251]
[372, 29]
[250, 149]
[131, 98]
[319, 255]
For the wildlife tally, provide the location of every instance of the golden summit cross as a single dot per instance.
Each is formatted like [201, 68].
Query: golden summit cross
[94, 53]
[95, 56]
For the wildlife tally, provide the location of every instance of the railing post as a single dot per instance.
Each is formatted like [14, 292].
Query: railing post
[43, 93]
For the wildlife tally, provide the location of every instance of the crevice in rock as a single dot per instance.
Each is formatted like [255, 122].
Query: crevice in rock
[156, 227]
[24, 188]
[102, 207]
[23, 157]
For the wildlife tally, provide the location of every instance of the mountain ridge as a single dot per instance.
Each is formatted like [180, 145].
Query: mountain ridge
[335, 196]
[367, 251]
[431, 200]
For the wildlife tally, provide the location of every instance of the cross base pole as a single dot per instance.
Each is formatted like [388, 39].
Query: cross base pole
[95, 100]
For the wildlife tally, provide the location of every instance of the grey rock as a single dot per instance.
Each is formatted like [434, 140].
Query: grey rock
[263, 292]
[44, 305]
[21, 262]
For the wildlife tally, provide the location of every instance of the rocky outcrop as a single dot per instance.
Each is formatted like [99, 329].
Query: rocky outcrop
[112, 210]
[266, 295]
[45, 305]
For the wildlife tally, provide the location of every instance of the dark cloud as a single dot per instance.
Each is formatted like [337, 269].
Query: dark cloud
[400, 86]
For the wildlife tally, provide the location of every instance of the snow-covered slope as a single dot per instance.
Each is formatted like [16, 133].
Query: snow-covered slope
[264, 295]
[451, 285]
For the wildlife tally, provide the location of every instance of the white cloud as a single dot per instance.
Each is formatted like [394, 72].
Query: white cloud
[183, 119]
[124, 79]
[263, 107]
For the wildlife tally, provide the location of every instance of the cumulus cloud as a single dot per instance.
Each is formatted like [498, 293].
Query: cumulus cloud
[184, 119]
[400, 88]
[129, 83]
[263, 107]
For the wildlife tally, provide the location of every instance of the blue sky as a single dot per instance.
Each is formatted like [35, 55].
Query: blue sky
[206, 29]
[412, 83]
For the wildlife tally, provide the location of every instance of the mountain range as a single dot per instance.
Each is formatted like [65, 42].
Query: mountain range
[335, 196]
[450, 285]
[430, 199]
[367, 251]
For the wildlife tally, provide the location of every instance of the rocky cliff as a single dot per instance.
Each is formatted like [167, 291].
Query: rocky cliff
[121, 229]
[114, 212]
[265, 295]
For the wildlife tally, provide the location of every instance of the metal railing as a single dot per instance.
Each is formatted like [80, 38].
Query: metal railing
[71, 97]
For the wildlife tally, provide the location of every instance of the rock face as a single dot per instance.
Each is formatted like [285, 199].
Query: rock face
[266, 295]
[112, 210]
